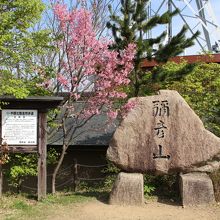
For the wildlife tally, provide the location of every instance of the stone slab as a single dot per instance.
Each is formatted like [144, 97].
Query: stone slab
[196, 189]
[128, 189]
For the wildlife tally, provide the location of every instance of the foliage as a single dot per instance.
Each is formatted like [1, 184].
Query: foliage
[110, 169]
[21, 88]
[12, 86]
[199, 84]
[132, 25]
[111, 172]
[170, 72]
[148, 189]
[165, 186]
[21, 166]
[19, 45]
[101, 185]
[52, 156]
[149, 185]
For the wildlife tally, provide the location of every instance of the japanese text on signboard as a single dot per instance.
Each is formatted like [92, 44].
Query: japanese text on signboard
[19, 127]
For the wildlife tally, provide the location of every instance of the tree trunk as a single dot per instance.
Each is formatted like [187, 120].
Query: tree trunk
[136, 90]
[1, 180]
[57, 169]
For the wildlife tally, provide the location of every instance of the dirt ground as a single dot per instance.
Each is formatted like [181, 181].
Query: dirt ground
[96, 210]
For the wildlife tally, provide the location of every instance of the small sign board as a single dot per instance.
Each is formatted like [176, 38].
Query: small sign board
[19, 127]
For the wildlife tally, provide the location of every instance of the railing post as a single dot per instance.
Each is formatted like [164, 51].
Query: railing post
[75, 174]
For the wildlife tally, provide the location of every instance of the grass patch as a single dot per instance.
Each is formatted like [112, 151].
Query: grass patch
[22, 207]
[13, 206]
[65, 199]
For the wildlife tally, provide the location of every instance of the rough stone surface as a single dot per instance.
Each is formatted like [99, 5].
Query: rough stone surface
[196, 189]
[162, 134]
[128, 189]
[209, 167]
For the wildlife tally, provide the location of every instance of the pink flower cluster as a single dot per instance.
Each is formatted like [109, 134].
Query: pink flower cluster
[89, 64]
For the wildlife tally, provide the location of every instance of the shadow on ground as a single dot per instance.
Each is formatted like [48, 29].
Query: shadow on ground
[100, 196]
[104, 198]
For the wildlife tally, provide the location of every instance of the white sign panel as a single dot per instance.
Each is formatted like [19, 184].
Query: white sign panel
[19, 127]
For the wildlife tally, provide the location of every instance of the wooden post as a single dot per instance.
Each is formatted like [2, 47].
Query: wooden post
[42, 151]
[1, 180]
[75, 174]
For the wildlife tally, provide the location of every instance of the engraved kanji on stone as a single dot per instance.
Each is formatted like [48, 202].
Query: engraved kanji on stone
[161, 108]
[160, 154]
[160, 129]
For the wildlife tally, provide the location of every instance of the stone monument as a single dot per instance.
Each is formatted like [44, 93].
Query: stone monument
[163, 135]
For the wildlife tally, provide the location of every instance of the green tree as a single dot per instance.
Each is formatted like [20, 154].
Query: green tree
[132, 25]
[11, 86]
[19, 45]
[199, 84]
[21, 88]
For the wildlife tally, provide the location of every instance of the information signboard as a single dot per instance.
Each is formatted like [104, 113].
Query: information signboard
[19, 127]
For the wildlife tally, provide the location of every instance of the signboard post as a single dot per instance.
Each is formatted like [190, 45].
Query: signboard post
[23, 129]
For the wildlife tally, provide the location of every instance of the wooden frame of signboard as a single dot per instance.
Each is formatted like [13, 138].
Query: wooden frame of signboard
[31, 104]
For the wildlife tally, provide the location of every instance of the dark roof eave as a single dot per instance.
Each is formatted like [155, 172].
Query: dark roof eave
[32, 98]
[42, 103]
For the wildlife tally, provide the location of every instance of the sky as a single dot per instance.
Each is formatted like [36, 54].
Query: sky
[178, 22]
[216, 6]
[192, 22]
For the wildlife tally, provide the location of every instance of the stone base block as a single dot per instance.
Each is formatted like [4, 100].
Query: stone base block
[128, 189]
[196, 189]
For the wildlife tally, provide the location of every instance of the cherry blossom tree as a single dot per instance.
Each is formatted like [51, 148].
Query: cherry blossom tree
[89, 72]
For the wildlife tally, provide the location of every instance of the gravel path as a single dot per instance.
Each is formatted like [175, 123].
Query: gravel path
[152, 210]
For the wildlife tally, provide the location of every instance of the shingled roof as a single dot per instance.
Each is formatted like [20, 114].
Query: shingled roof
[96, 131]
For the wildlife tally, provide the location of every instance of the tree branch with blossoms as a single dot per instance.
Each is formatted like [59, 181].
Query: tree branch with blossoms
[89, 72]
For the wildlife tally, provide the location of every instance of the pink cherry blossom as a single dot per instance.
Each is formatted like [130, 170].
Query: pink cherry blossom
[89, 65]
[112, 114]
[62, 80]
